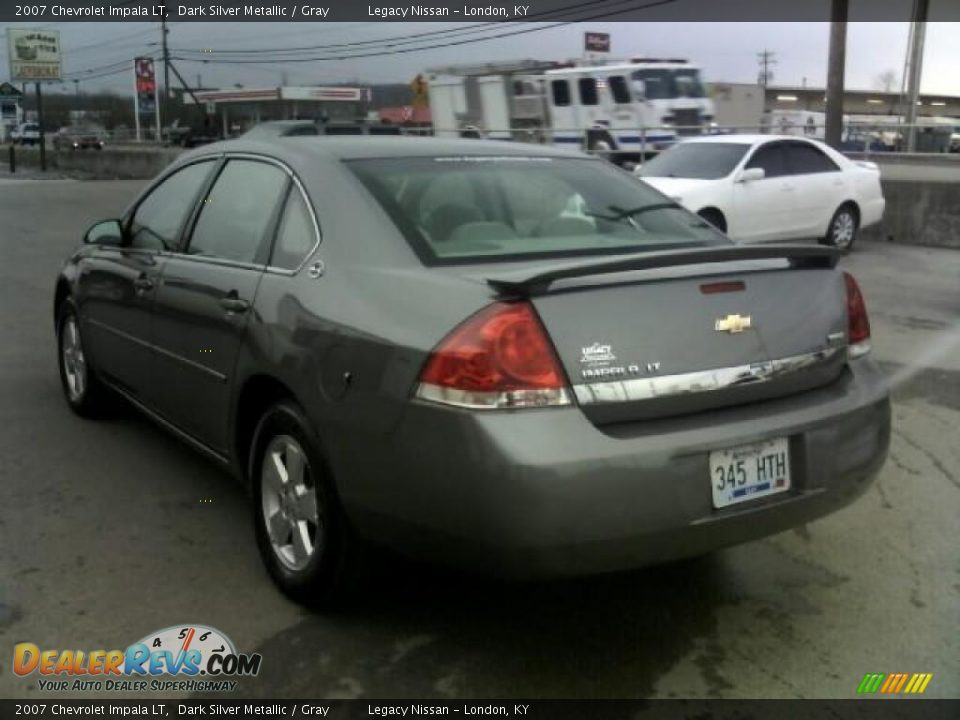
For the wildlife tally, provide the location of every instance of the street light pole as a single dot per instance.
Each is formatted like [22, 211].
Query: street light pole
[835, 70]
[918, 30]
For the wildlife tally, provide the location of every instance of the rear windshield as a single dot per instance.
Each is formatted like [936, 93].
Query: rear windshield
[481, 208]
[700, 160]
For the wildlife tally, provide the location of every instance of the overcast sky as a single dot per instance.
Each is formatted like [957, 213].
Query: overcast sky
[726, 51]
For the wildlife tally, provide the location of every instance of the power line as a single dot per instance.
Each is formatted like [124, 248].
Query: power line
[434, 46]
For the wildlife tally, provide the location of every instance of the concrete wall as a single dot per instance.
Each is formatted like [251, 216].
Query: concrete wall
[111, 163]
[923, 199]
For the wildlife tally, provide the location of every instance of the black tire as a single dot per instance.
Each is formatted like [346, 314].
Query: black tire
[87, 397]
[842, 230]
[601, 144]
[715, 218]
[328, 576]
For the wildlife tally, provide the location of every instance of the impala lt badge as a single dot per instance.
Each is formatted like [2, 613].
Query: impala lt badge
[733, 324]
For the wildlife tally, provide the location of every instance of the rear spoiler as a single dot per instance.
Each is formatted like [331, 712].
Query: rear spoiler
[800, 256]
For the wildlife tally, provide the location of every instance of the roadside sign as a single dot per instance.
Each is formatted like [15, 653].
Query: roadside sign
[596, 42]
[145, 92]
[420, 90]
[34, 54]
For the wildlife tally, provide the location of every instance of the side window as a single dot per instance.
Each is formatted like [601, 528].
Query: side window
[561, 92]
[296, 235]
[157, 220]
[237, 212]
[805, 159]
[770, 158]
[619, 89]
[588, 91]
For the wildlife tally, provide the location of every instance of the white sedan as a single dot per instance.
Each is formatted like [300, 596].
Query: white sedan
[757, 188]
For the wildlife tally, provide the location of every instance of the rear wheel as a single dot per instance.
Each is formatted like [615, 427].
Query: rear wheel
[84, 393]
[842, 231]
[601, 144]
[303, 536]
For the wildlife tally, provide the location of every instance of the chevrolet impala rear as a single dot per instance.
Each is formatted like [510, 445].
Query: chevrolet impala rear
[603, 380]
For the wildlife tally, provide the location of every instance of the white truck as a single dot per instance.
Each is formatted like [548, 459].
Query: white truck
[624, 109]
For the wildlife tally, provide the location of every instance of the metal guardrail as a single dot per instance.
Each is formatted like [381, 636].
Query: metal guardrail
[864, 137]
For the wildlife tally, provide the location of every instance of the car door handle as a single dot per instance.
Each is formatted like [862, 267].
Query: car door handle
[234, 304]
[143, 284]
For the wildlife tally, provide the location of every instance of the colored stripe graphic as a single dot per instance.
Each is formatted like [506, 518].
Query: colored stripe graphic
[871, 682]
[894, 683]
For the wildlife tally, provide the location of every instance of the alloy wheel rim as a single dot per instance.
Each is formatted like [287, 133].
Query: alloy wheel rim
[74, 360]
[843, 228]
[291, 512]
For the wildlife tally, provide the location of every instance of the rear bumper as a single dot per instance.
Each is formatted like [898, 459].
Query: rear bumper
[545, 493]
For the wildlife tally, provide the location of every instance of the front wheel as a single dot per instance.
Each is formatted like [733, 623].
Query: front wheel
[303, 536]
[842, 231]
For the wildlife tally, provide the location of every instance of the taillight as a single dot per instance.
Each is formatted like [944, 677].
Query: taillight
[858, 324]
[499, 358]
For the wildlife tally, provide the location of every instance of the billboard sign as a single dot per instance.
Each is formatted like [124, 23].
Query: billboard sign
[146, 85]
[34, 54]
[596, 42]
[145, 93]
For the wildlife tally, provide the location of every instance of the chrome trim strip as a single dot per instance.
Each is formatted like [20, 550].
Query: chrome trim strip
[664, 386]
[220, 377]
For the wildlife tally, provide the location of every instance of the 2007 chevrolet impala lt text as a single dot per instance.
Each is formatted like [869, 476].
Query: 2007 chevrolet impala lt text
[507, 358]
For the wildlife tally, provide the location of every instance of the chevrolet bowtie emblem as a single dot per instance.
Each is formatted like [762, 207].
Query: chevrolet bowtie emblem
[732, 323]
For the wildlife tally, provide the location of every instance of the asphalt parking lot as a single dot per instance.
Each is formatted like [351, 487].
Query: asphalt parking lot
[109, 530]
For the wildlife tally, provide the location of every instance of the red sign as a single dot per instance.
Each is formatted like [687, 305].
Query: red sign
[596, 42]
[146, 78]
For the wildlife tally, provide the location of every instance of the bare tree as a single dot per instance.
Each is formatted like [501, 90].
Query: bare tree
[888, 81]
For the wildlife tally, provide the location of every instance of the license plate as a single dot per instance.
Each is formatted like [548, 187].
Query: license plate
[749, 472]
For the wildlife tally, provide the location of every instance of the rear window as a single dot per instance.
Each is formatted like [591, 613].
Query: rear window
[465, 209]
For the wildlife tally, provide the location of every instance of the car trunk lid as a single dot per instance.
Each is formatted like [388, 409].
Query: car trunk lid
[691, 330]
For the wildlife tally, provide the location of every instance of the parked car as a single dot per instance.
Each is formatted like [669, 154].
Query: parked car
[503, 357]
[26, 134]
[759, 188]
[78, 138]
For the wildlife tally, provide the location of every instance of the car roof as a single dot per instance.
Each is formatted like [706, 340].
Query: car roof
[350, 147]
[751, 139]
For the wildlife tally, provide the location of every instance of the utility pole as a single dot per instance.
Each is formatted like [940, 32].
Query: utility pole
[918, 31]
[766, 60]
[835, 71]
[166, 60]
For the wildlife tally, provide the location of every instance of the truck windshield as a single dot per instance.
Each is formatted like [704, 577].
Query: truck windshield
[700, 160]
[479, 208]
[669, 83]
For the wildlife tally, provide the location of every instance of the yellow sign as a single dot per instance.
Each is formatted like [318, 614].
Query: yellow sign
[420, 91]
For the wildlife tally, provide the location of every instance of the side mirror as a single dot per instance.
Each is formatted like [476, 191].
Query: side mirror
[751, 174]
[640, 89]
[107, 232]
